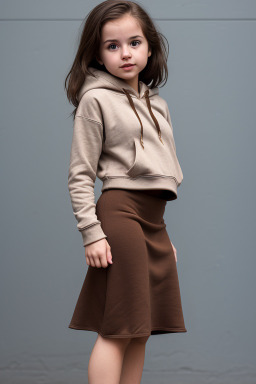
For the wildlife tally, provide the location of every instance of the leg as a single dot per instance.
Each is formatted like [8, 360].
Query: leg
[106, 360]
[133, 361]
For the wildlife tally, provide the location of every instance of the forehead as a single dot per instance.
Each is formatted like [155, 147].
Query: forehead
[125, 26]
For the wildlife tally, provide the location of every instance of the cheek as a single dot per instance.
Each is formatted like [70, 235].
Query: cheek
[108, 55]
[145, 52]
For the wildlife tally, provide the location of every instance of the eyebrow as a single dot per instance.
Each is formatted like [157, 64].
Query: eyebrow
[132, 37]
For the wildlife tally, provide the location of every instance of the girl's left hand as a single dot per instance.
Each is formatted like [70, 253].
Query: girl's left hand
[175, 252]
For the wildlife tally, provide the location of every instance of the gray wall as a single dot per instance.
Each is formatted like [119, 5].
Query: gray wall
[211, 96]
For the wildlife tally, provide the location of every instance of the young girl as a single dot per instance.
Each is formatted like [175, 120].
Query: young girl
[123, 134]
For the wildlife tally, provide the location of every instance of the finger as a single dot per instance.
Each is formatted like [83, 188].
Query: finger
[97, 262]
[109, 256]
[87, 260]
[104, 262]
[92, 263]
[86, 257]
[175, 254]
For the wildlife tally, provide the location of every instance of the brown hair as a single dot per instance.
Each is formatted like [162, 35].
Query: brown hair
[156, 70]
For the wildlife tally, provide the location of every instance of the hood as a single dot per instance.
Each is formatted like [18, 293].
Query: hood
[105, 80]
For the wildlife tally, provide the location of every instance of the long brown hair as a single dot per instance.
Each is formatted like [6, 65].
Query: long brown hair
[156, 70]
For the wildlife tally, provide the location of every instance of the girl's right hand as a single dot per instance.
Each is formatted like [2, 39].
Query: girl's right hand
[98, 254]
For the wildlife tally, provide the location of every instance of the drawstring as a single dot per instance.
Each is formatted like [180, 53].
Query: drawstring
[151, 113]
[133, 107]
[153, 116]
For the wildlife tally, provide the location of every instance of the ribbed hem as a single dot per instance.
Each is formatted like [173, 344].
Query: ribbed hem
[92, 233]
[141, 182]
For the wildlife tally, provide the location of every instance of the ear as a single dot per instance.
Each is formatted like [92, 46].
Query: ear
[99, 60]
[149, 52]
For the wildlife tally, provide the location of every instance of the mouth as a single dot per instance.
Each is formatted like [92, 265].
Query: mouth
[127, 65]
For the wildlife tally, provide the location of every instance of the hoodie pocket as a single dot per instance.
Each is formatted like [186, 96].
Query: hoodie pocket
[155, 160]
[140, 164]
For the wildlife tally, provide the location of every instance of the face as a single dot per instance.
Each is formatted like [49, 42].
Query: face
[123, 42]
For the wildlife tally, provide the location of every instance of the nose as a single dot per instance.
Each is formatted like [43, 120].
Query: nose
[126, 52]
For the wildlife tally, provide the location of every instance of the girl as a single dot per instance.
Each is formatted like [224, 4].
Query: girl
[123, 134]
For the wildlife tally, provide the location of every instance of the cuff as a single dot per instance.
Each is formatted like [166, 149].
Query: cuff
[92, 234]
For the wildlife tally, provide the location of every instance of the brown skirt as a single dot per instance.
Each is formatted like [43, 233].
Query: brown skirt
[139, 294]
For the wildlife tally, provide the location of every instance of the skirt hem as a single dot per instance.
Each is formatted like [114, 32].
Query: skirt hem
[156, 331]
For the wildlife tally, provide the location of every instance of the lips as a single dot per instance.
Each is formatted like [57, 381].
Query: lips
[127, 65]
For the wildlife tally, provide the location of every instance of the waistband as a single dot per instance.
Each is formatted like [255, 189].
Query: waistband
[159, 193]
[166, 184]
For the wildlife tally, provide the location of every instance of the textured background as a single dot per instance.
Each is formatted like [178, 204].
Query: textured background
[211, 97]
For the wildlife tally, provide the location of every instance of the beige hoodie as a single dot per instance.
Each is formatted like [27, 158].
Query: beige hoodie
[124, 138]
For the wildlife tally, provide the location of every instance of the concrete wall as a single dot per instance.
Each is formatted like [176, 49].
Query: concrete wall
[211, 97]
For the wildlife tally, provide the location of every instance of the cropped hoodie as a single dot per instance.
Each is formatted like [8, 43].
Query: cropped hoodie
[123, 137]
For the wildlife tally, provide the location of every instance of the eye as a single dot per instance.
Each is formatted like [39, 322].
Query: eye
[136, 41]
[113, 44]
[110, 45]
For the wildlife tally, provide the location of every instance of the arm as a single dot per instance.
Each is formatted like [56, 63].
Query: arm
[85, 153]
[170, 122]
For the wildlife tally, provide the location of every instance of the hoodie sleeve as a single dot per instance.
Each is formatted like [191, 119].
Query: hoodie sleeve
[85, 153]
[170, 122]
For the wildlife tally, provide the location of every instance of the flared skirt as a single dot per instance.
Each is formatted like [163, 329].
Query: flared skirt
[139, 294]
